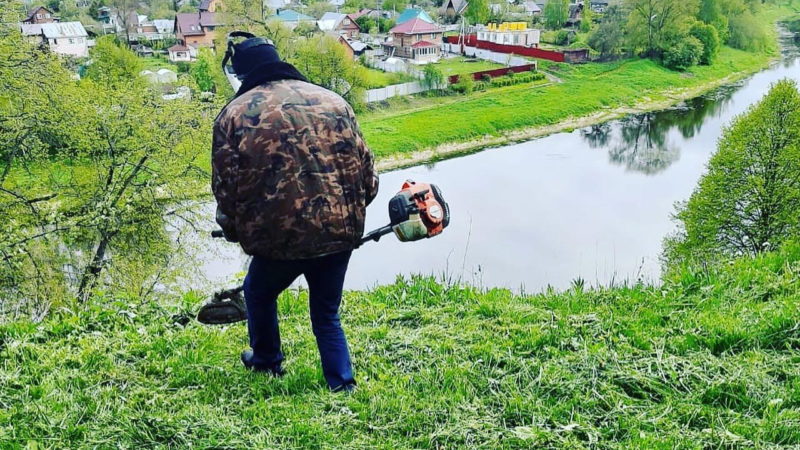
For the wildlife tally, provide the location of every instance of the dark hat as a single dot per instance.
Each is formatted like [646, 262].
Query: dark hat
[252, 53]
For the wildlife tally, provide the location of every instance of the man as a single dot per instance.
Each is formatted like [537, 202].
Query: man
[292, 178]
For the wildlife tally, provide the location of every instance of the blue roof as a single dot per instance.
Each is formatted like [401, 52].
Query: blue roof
[288, 15]
[412, 13]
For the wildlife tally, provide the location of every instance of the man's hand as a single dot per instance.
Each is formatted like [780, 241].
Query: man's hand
[227, 225]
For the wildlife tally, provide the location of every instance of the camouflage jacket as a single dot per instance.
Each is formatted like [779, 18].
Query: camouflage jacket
[290, 167]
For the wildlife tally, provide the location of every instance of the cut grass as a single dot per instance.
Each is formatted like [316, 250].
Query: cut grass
[708, 360]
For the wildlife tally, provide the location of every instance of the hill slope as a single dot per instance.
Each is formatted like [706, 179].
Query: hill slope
[710, 358]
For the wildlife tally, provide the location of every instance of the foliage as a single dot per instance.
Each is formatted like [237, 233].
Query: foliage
[711, 13]
[111, 63]
[201, 71]
[682, 53]
[587, 17]
[372, 26]
[556, 14]
[433, 77]
[706, 360]
[325, 62]
[88, 169]
[608, 38]
[652, 23]
[477, 11]
[465, 84]
[709, 38]
[749, 200]
[748, 33]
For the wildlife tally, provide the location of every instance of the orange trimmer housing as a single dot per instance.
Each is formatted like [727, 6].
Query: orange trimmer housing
[417, 211]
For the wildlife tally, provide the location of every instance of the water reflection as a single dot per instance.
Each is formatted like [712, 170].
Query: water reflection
[641, 143]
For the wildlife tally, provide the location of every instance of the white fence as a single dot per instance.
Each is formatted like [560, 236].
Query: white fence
[381, 94]
[488, 55]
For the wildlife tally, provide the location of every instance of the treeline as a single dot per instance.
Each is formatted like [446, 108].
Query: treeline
[681, 33]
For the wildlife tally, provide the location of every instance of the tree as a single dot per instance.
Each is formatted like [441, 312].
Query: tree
[711, 13]
[652, 23]
[709, 37]
[682, 53]
[749, 199]
[556, 14]
[201, 71]
[432, 77]
[587, 17]
[477, 11]
[324, 61]
[748, 33]
[127, 13]
[609, 37]
[112, 63]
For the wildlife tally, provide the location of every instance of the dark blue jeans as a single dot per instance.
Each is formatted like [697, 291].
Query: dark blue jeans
[266, 279]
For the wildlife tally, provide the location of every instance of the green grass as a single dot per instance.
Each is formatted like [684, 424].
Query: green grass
[711, 359]
[586, 89]
[378, 79]
[459, 65]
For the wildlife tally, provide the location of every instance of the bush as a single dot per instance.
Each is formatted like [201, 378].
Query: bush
[709, 37]
[747, 33]
[682, 54]
[183, 66]
[486, 78]
[749, 200]
[465, 84]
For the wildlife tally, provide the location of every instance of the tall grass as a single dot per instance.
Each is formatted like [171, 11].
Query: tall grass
[709, 359]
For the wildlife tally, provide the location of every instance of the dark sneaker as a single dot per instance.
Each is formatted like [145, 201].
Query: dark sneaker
[349, 388]
[276, 371]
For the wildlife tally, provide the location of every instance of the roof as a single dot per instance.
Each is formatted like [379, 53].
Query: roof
[290, 15]
[204, 5]
[458, 5]
[164, 24]
[359, 46]
[193, 23]
[424, 44]
[532, 7]
[31, 29]
[412, 13]
[330, 21]
[63, 30]
[416, 26]
[178, 48]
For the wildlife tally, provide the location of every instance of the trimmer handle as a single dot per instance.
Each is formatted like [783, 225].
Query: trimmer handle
[217, 234]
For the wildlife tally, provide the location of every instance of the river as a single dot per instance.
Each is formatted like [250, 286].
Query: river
[594, 204]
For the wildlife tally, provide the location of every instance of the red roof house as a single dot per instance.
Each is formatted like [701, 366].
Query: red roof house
[417, 40]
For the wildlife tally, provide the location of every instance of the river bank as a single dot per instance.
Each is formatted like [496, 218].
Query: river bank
[428, 130]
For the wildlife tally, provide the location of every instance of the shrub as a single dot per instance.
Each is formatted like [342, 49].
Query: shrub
[486, 78]
[709, 37]
[749, 200]
[683, 53]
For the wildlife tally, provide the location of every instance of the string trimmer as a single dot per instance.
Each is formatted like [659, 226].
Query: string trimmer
[417, 211]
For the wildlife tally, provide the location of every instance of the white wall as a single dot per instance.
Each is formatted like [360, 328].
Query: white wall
[380, 94]
[488, 55]
[79, 46]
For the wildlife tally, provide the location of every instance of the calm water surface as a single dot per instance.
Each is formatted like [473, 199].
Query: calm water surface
[593, 204]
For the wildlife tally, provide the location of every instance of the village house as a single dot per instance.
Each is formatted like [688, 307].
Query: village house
[38, 15]
[354, 48]
[208, 5]
[196, 29]
[415, 40]
[531, 8]
[140, 27]
[291, 18]
[338, 24]
[182, 53]
[599, 7]
[63, 38]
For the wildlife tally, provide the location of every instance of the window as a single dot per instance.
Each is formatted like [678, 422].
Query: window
[71, 41]
[38, 16]
[47, 16]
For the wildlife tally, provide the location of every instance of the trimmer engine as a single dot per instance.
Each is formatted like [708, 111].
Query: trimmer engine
[417, 212]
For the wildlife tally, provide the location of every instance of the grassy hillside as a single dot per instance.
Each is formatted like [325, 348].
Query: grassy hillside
[710, 359]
